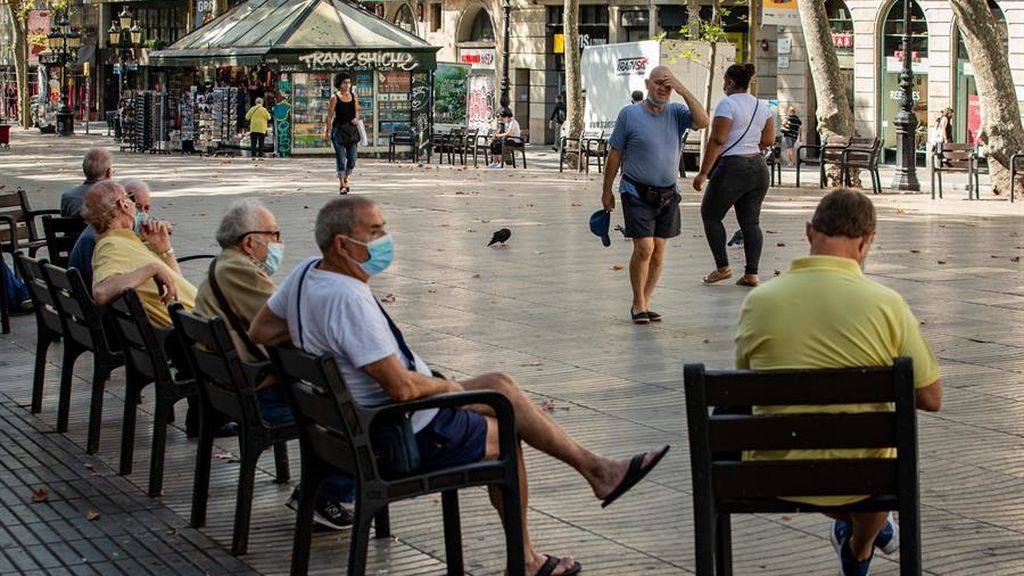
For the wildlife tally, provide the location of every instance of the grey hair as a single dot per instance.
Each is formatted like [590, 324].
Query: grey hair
[259, 101]
[133, 186]
[339, 216]
[96, 163]
[242, 216]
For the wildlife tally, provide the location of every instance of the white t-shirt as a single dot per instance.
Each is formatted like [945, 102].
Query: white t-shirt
[738, 107]
[341, 317]
[512, 127]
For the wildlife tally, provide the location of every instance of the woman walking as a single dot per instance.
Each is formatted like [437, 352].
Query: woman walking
[736, 173]
[342, 129]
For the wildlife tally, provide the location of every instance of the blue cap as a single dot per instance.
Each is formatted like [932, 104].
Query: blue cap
[599, 223]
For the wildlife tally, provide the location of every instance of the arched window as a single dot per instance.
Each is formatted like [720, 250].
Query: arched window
[892, 65]
[405, 19]
[841, 24]
[966, 106]
[482, 30]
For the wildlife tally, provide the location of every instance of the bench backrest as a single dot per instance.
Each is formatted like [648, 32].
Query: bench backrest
[724, 480]
[39, 289]
[83, 320]
[13, 205]
[955, 157]
[214, 361]
[144, 348]
[61, 235]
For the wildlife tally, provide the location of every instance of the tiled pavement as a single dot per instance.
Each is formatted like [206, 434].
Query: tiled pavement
[550, 310]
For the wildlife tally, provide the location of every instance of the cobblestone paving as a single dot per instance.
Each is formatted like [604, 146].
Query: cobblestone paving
[550, 309]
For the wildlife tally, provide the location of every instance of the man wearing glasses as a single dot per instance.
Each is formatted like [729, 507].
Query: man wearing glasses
[238, 285]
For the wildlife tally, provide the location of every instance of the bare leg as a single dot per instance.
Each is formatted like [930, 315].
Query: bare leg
[866, 526]
[540, 431]
[639, 270]
[654, 271]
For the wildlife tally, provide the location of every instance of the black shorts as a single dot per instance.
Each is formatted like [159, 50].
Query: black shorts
[644, 221]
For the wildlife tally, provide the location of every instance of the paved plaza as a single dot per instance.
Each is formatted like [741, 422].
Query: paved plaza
[551, 309]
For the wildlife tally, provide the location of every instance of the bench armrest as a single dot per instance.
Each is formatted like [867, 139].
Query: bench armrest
[7, 221]
[196, 257]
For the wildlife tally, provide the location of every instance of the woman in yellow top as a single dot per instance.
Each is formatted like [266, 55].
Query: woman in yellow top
[258, 118]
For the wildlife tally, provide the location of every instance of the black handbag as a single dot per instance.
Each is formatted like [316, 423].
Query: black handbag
[656, 197]
[392, 438]
[348, 134]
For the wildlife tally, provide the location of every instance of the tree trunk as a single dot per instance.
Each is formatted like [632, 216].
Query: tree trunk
[716, 23]
[1000, 119]
[20, 43]
[834, 115]
[573, 90]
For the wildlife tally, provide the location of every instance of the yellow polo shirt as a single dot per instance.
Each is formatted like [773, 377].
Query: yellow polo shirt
[120, 251]
[824, 313]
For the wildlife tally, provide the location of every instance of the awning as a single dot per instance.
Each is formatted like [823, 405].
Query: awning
[299, 35]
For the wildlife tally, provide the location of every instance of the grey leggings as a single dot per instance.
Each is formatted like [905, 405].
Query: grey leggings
[740, 181]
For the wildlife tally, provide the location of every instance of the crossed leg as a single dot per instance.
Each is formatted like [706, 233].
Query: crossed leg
[540, 431]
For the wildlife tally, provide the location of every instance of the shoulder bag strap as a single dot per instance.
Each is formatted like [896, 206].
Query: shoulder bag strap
[298, 303]
[749, 124]
[232, 318]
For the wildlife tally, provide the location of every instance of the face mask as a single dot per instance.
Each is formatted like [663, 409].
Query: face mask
[140, 218]
[275, 253]
[654, 103]
[382, 252]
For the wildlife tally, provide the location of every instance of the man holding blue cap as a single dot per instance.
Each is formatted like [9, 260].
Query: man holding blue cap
[645, 143]
[599, 223]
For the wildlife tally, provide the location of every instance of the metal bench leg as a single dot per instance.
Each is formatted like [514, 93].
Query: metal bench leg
[452, 532]
[723, 545]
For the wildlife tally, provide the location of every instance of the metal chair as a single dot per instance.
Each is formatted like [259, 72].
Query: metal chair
[49, 328]
[18, 232]
[85, 330]
[227, 386]
[862, 153]
[510, 144]
[724, 483]
[953, 157]
[828, 153]
[334, 435]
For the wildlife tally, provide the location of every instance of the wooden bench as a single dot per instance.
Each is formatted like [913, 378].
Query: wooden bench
[725, 484]
[822, 155]
[862, 154]
[953, 157]
[408, 137]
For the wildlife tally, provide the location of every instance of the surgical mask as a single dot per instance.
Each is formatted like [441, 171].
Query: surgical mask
[275, 254]
[140, 218]
[382, 252]
[654, 103]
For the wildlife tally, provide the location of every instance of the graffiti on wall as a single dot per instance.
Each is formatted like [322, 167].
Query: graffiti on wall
[481, 101]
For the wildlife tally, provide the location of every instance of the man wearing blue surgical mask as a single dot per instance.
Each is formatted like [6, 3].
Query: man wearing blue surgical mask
[81, 254]
[325, 306]
[237, 286]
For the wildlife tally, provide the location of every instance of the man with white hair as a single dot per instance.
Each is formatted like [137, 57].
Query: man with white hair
[259, 119]
[237, 286]
[81, 254]
[645, 143]
[97, 165]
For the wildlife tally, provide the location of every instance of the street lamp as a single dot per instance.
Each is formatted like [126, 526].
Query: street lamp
[63, 41]
[906, 120]
[504, 99]
[125, 35]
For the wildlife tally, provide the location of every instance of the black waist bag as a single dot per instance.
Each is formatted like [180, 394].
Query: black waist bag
[394, 445]
[654, 196]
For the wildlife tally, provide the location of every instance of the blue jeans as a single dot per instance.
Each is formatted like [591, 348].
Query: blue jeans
[344, 156]
[275, 410]
[16, 290]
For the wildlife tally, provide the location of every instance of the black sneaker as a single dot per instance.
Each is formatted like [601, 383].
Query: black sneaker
[326, 513]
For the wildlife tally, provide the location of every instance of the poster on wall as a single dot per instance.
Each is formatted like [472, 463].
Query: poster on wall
[38, 26]
[451, 95]
[973, 118]
[780, 13]
[480, 108]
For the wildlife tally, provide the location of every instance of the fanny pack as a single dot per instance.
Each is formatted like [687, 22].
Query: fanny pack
[654, 196]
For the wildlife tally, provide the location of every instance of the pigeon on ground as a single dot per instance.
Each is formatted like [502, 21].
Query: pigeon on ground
[622, 230]
[737, 238]
[501, 236]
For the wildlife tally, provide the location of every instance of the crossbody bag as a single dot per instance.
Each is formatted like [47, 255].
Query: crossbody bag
[393, 440]
[714, 167]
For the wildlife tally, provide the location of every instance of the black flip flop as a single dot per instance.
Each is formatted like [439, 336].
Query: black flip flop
[653, 316]
[639, 317]
[548, 569]
[634, 475]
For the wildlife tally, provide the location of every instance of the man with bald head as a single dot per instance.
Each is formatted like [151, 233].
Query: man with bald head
[97, 166]
[81, 254]
[645, 143]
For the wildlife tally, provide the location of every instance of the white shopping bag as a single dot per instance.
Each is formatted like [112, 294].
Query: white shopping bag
[363, 141]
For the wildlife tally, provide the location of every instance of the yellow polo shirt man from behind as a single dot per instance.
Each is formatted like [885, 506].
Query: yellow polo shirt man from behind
[824, 313]
[122, 260]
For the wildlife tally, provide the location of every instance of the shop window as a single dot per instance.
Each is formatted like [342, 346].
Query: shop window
[593, 24]
[892, 65]
[482, 30]
[635, 25]
[405, 20]
[841, 23]
[671, 20]
[435, 17]
[966, 105]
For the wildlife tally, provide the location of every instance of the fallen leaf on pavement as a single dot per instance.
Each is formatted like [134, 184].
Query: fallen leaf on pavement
[92, 515]
[942, 261]
[389, 298]
[778, 272]
[707, 340]
[476, 275]
[780, 244]
[617, 266]
[915, 251]
[1015, 259]
[89, 466]
[40, 495]
[771, 231]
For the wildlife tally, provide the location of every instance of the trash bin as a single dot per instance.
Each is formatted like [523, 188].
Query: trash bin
[5, 135]
[65, 120]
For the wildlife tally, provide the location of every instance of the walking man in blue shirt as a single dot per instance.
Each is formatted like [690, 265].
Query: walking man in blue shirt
[645, 143]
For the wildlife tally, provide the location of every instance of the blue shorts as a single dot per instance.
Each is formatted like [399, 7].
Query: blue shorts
[454, 437]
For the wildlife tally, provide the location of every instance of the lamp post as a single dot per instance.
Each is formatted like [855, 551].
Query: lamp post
[504, 100]
[905, 177]
[125, 35]
[63, 41]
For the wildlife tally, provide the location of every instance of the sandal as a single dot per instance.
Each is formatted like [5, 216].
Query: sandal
[640, 317]
[653, 316]
[717, 276]
[549, 566]
[748, 280]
